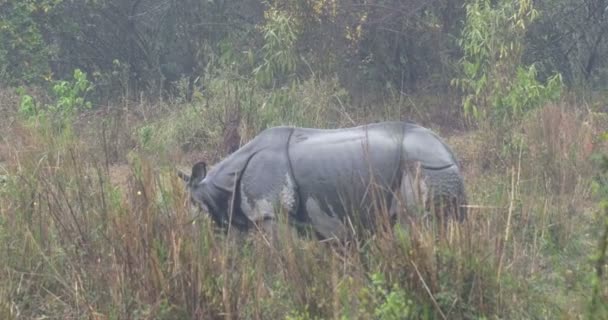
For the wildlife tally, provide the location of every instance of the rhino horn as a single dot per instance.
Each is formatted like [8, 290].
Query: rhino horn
[184, 176]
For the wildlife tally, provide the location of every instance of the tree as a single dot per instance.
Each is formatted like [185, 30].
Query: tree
[570, 37]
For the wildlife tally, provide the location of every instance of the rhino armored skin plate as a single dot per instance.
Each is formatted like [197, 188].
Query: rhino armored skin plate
[322, 177]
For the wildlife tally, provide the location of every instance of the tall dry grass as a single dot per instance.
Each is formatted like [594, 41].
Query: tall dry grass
[78, 244]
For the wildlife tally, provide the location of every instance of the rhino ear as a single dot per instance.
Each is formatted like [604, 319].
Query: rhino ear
[199, 171]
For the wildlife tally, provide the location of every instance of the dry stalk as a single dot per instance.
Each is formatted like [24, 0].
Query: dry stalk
[514, 184]
[225, 295]
[428, 290]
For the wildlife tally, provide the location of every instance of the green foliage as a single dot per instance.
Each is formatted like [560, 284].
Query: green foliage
[526, 93]
[570, 38]
[27, 107]
[313, 102]
[394, 303]
[279, 61]
[145, 136]
[24, 54]
[71, 96]
[178, 41]
[279, 58]
[114, 81]
[494, 82]
[374, 49]
[68, 97]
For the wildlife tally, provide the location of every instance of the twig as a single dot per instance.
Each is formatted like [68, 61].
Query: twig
[474, 206]
[227, 304]
[343, 111]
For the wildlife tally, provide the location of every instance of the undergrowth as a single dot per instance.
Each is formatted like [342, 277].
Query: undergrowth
[78, 245]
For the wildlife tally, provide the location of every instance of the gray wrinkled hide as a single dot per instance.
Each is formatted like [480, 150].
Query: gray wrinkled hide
[322, 176]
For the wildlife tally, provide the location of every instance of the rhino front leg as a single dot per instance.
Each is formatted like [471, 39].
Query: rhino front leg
[268, 228]
[263, 209]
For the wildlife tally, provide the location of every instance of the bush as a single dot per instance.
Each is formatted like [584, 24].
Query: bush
[495, 84]
[69, 98]
[24, 54]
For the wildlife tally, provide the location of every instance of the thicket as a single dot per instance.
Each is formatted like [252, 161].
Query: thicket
[153, 46]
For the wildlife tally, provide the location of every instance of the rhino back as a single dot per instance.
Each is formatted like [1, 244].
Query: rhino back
[422, 145]
[346, 170]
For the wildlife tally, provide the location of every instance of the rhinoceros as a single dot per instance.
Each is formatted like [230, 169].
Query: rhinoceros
[324, 177]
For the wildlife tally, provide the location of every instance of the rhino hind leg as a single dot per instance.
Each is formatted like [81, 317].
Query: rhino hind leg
[426, 193]
[447, 196]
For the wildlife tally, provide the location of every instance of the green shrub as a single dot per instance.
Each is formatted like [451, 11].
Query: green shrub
[495, 84]
[279, 58]
[394, 304]
[68, 98]
[24, 55]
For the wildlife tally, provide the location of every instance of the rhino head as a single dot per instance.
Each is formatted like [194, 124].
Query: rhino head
[205, 196]
[193, 182]
[199, 171]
